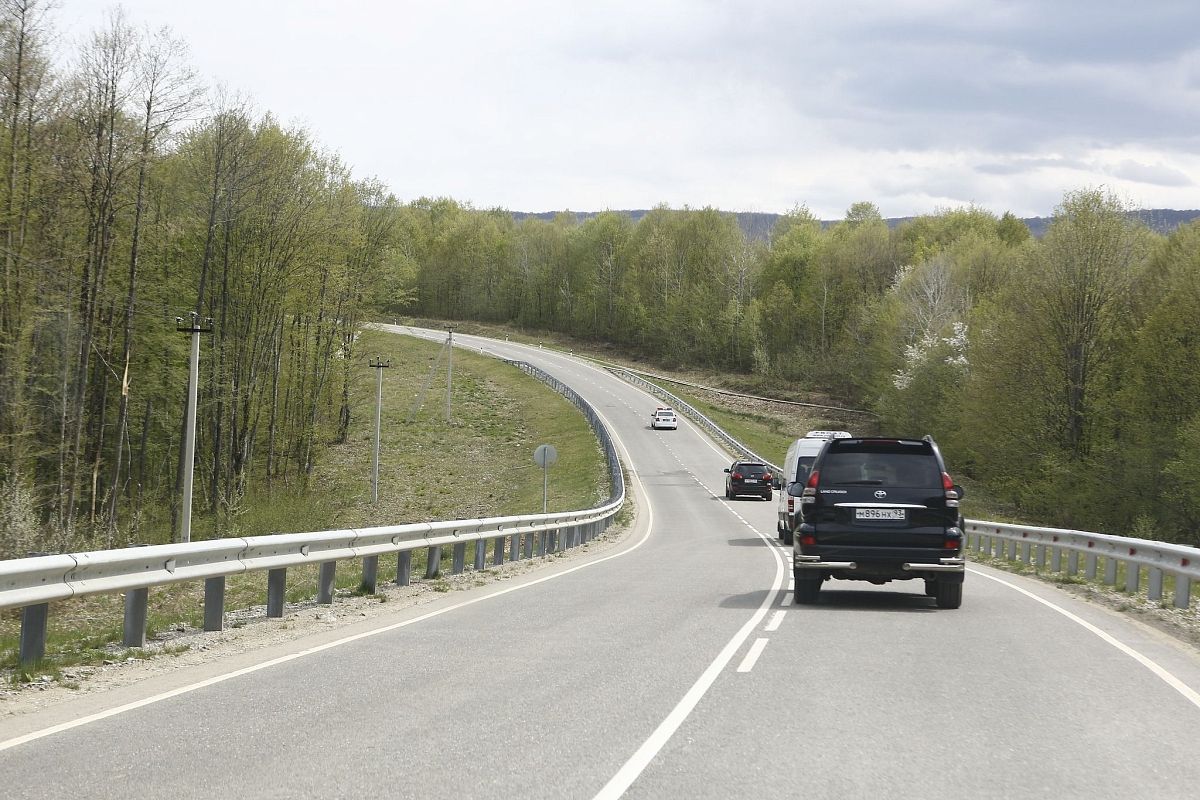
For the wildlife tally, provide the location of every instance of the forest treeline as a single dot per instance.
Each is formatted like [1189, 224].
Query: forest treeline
[128, 199]
[1059, 372]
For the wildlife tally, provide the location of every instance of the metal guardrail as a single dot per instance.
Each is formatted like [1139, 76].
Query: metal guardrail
[679, 404]
[1033, 545]
[32, 583]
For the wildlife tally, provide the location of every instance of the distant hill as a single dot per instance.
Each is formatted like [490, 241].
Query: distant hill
[758, 225]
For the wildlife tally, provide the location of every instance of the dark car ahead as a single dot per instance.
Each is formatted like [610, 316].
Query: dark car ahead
[748, 477]
[879, 510]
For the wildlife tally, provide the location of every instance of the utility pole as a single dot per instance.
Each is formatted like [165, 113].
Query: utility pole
[379, 366]
[189, 433]
[449, 366]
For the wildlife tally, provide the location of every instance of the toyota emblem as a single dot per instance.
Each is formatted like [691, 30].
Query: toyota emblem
[880, 494]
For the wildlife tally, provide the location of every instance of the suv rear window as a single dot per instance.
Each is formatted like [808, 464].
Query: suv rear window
[752, 469]
[882, 463]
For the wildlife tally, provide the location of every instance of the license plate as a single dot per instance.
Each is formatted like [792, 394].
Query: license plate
[879, 513]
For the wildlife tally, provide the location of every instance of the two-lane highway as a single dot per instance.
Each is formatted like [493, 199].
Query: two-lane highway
[669, 666]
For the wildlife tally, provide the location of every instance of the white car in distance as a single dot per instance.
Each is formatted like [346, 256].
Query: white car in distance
[664, 418]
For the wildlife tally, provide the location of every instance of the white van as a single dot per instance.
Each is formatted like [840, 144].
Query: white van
[796, 464]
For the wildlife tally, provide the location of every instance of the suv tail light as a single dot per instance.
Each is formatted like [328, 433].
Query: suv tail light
[810, 486]
[766, 476]
[948, 486]
[737, 476]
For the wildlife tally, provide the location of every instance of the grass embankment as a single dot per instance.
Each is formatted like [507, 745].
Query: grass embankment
[480, 464]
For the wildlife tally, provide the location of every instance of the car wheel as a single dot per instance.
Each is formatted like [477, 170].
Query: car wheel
[728, 494]
[787, 537]
[768, 496]
[949, 594]
[808, 586]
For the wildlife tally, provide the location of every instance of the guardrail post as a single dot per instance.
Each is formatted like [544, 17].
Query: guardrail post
[276, 591]
[214, 604]
[543, 539]
[1090, 566]
[1072, 563]
[1133, 577]
[528, 545]
[1055, 559]
[1012, 550]
[33, 633]
[458, 558]
[1110, 570]
[498, 551]
[325, 582]
[480, 554]
[514, 547]
[1041, 556]
[1155, 590]
[1183, 591]
[135, 617]
[403, 567]
[433, 561]
[1026, 553]
[370, 579]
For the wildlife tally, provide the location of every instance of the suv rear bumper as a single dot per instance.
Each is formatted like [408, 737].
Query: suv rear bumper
[951, 564]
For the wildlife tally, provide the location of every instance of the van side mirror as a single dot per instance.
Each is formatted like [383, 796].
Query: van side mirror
[958, 489]
[796, 489]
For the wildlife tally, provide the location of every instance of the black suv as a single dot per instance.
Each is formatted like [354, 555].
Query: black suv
[748, 477]
[879, 510]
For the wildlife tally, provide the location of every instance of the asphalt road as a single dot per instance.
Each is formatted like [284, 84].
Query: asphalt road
[670, 666]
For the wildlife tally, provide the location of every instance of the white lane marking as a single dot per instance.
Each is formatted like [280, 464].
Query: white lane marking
[776, 618]
[638, 762]
[752, 655]
[1189, 694]
[112, 712]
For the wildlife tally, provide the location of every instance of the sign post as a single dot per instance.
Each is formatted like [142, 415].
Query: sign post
[544, 456]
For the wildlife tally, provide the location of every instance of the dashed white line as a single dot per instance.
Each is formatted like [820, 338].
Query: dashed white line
[776, 618]
[787, 599]
[752, 654]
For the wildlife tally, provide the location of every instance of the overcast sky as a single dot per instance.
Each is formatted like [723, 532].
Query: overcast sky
[914, 105]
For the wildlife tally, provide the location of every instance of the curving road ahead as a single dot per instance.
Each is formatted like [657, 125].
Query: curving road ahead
[672, 665]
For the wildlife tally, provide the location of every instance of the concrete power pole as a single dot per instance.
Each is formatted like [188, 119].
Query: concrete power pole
[379, 366]
[189, 435]
[449, 366]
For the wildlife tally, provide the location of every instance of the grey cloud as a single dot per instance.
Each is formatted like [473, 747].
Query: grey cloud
[1022, 165]
[1154, 174]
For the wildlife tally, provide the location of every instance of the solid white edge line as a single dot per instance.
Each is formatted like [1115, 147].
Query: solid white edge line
[776, 618]
[638, 762]
[112, 712]
[752, 654]
[1188, 693]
